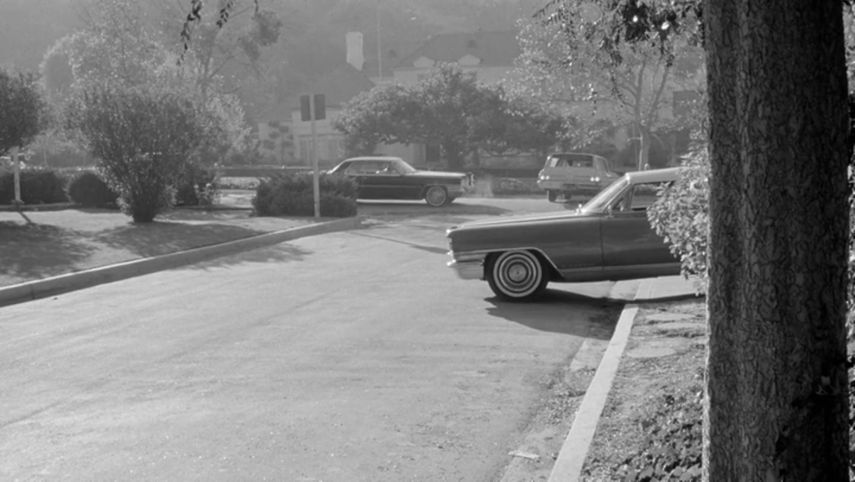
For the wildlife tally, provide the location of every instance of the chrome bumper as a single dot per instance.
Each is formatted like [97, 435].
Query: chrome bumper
[468, 266]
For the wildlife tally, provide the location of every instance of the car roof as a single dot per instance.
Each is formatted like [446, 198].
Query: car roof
[373, 158]
[653, 175]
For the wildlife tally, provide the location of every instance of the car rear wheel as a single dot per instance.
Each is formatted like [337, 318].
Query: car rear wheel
[517, 275]
[437, 196]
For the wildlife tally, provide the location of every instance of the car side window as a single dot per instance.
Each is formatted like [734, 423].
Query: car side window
[387, 169]
[643, 195]
[361, 168]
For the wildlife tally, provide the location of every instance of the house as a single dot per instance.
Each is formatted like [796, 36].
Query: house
[287, 139]
[338, 87]
[489, 56]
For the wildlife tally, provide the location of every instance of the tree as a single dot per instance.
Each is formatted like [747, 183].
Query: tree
[776, 395]
[21, 107]
[222, 53]
[451, 110]
[448, 99]
[618, 61]
[119, 49]
[505, 124]
[143, 138]
[381, 115]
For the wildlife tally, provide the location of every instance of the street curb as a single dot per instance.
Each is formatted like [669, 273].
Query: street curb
[571, 459]
[55, 285]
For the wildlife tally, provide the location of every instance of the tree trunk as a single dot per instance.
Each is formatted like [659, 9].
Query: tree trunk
[776, 390]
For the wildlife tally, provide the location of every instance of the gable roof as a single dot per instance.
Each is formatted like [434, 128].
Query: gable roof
[497, 48]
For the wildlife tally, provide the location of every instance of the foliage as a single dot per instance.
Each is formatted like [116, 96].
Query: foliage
[196, 186]
[118, 49]
[451, 110]
[38, 186]
[143, 140]
[292, 195]
[384, 114]
[620, 61]
[89, 190]
[21, 110]
[680, 214]
[672, 444]
[503, 123]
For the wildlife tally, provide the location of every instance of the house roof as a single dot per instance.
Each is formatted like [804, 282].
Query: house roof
[496, 48]
[392, 55]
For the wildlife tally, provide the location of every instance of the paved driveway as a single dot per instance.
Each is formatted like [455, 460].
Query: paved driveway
[348, 356]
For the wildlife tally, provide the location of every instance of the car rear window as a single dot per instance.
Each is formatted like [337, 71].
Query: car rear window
[570, 160]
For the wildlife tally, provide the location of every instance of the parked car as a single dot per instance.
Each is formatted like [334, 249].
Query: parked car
[385, 177]
[568, 173]
[608, 238]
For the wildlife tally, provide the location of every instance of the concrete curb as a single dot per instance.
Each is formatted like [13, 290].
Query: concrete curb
[571, 459]
[106, 274]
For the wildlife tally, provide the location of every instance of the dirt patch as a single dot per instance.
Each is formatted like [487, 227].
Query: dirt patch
[653, 408]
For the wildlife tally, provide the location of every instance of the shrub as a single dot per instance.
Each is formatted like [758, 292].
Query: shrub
[38, 186]
[681, 214]
[196, 187]
[143, 139]
[292, 195]
[89, 190]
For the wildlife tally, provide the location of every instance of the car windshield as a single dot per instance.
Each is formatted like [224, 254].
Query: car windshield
[599, 202]
[402, 167]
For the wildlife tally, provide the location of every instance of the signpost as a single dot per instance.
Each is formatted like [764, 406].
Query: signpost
[16, 163]
[313, 108]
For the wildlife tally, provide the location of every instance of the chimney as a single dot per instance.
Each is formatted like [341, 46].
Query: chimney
[355, 57]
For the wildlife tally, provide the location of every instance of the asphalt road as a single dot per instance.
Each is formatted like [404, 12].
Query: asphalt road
[344, 357]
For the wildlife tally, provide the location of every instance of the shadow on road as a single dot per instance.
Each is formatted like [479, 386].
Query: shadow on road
[152, 239]
[278, 253]
[562, 312]
[415, 208]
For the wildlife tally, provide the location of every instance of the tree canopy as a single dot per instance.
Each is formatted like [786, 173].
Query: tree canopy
[21, 108]
[627, 62]
[451, 110]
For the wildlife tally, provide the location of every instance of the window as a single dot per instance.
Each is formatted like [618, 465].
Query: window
[643, 195]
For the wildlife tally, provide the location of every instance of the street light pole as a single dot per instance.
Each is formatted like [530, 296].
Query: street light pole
[379, 47]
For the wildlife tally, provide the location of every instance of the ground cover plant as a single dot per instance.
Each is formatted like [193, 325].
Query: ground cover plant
[292, 194]
[651, 426]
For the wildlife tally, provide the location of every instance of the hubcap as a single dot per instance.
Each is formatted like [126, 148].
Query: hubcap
[517, 274]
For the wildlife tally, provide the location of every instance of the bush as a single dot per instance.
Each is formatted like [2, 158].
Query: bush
[292, 195]
[681, 214]
[196, 187]
[38, 186]
[142, 138]
[89, 190]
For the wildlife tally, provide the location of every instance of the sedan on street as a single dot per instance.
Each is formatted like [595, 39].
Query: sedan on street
[607, 238]
[386, 177]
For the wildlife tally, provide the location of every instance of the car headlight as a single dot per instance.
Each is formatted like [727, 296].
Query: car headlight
[544, 177]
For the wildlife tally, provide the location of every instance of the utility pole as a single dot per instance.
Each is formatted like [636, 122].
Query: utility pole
[379, 48]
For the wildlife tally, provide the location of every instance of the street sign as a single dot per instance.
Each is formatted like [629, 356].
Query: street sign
[306, 107]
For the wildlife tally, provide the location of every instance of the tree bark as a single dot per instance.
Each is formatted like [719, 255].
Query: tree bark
[776, 389]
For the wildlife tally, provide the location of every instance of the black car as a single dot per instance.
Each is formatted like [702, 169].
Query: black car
[386, 177]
